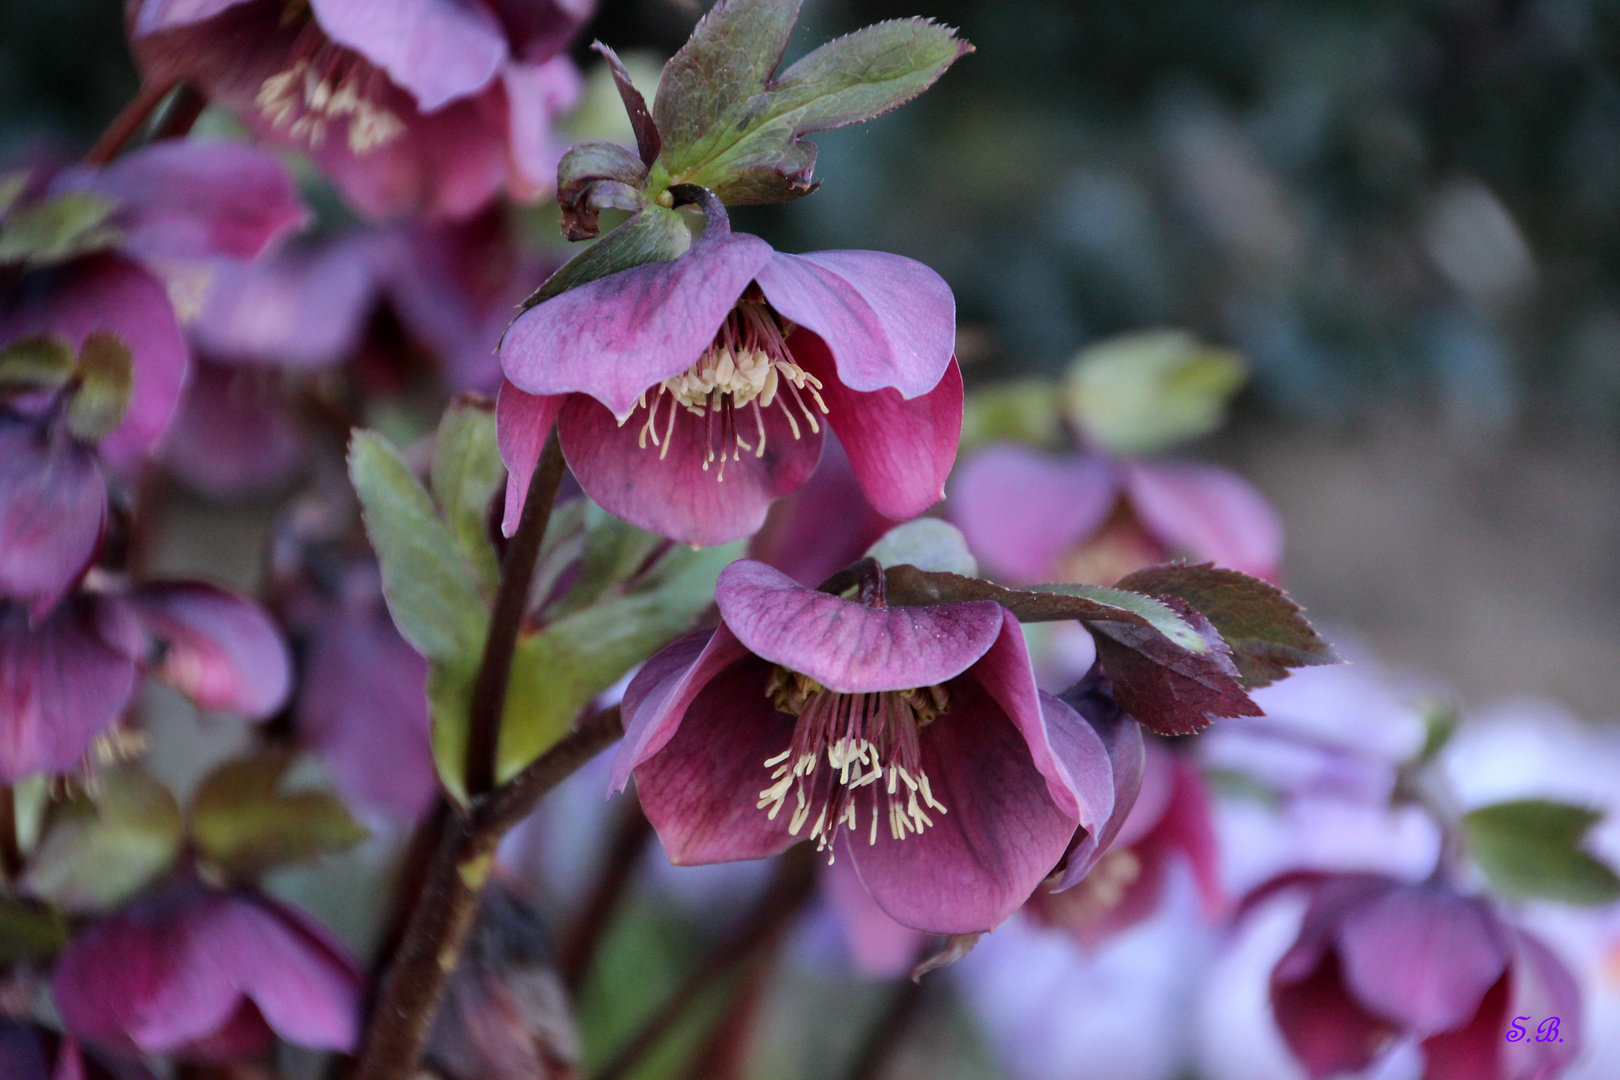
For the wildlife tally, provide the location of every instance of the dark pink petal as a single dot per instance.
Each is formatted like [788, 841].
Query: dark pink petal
[1422, 956]
[847, 646]
[112, 294]
[1187, 827]
[193, 199]
[1066, 750]
[1476, 1050]
[235, 434]
[1332, 897]
[536, 95]
[522, 422]
[1323, 1025]
[701, 791]
[1022, 510]
[154, 15]
[1209, 513]
[62, 682]
[901, 450]
[53, 501]
[889, 321]
[362, 703]
[616, 337]
[658, 697]
[305, 986]
[221, 651]
[821, 528]
[1541, 987]
[297, 308]
[879, 947]
[439, 50]
[1128, 761]
[672, 494]
[1000, 836]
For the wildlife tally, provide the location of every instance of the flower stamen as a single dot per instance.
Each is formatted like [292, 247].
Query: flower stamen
[324, 84]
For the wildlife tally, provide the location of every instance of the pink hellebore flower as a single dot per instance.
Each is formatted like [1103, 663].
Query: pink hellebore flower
[412, 107]
[206, 975]
[689, 394]
[1032, 517]
[912, 741]
[1378, 959]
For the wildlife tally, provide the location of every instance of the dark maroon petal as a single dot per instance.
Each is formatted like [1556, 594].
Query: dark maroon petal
[847, 646]
[701, 791]
[1022, 510]
[196, 199]
[111, 294]
[362, 703]
[1422, 956]
[52, 504]
[821, 528]
[1324, 1027]
[1210, 513]
[879, 947]
[1000, 836]
[62, 683]
[901, 450]
[221, 651]
[889, 321]
[658, 697]
[1187, 827]
[522, 423]
[1127, 756]
[615, 337]
[1476, 1050]
[234, 435]
[439, 50]
[673, 494]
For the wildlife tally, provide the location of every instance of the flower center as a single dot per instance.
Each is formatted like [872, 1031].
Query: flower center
[325, 84]
[746, 368]
[870, 743]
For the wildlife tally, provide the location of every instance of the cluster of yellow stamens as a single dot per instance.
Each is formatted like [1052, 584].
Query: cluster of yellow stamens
[327, 84]
[870, 743]
[747, 366]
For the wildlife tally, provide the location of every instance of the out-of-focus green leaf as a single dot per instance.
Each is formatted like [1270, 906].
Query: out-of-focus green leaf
[37, 362]
[730, 124]
[11, 188]
[466, 472]
[30, 931]
[1144, 392]
[1531, 848]
[1028, 410]
[106, 373]
[614, 550]
[927, 544]
[57, 229]
[558, 670]
[102, 849]
[243, 823]
[431, 591]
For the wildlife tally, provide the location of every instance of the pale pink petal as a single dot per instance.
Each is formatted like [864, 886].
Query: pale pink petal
[439, 50]
[1022, 510]
[218, 649]
[879, 947]
[1208, 513]
[663, 690]
[522, 423]
[152, 16]
[536, 95]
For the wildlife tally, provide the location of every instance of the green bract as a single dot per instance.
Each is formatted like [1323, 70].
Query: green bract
[1531, 848]
[1144, 392]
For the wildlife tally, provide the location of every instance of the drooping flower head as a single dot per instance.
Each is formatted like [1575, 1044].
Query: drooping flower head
[911, 741]
[689, 394]
[423, 106]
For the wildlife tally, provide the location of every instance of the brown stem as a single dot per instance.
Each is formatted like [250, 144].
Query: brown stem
[579, 946]
[180, 114]
[11, 857]
[795, 878]
[724, 1055]
[409, 998]
[128, 122]
[888, 1033]
[506, 619]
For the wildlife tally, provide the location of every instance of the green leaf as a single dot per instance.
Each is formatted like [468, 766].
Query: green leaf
[29, 931]
[1024, 411]
[103, 848]
[39, 362]
[11, 189]
[1267, 631]
[57, 229]
[431, 591]
[927, 544]
[466, 473]
[729, 124]
[1531, 848]
[654, 234]
[1144, 392]
[243, 823]
[560, 669]
[1047, 603]
[106, 374]
[614, 551]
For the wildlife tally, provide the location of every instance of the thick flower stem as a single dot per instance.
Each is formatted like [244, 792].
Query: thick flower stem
[579, 946]
[408, 1000]
[506, 619]
[795, 880]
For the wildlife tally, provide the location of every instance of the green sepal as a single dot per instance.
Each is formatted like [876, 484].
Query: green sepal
[1530, 849]
[104, 847]
[654, 234]
[928, 544]
[57, 229]
[242, 822]
[1144, 392]
[37, 362]
[30, 931]
[106, 374]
